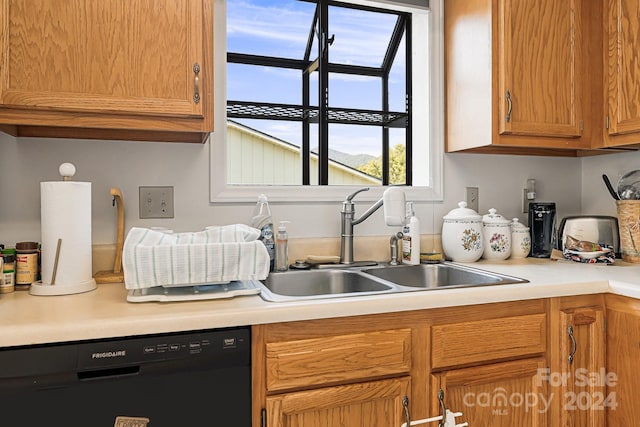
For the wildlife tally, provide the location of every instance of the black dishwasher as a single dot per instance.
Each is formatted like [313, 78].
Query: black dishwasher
[196, 378]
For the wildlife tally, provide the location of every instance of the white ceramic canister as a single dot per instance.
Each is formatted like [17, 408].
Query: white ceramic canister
[462, 234]
[520, 239]
[497, 236]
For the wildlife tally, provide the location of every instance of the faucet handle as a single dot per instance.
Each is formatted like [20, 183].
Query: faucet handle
[352, 195]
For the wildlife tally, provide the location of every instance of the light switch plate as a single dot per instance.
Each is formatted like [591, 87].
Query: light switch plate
[156, 202]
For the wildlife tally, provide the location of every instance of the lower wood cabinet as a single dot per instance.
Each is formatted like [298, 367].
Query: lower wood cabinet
[577, 366]
[505, 394]
[342, 372]
[514, 364]
[368, 404]
[623, 356]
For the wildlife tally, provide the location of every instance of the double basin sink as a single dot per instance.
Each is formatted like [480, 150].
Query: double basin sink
[296, 285]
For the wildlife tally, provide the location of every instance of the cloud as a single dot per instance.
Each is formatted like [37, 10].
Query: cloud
[282, 29]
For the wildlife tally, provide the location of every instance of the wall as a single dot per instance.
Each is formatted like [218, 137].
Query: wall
[25, 162]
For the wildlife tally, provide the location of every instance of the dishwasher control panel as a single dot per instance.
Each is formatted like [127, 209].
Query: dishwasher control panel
[223, 344]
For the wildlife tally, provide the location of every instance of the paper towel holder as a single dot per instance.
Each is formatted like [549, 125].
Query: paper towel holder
[116, 275]
[67, 171]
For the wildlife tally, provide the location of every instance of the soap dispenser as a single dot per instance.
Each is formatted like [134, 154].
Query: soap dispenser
[282, 247]
[411, 238]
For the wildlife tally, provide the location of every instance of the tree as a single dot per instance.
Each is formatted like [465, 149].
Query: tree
[397, 165]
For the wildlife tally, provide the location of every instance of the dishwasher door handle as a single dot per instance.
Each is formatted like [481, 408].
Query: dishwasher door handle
[103, 374]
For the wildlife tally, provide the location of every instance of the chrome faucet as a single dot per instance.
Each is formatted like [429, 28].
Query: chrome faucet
[348, 213]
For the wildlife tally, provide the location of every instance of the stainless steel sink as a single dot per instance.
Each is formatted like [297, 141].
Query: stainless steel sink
[313, 284]
[344, 282]
[445, 275]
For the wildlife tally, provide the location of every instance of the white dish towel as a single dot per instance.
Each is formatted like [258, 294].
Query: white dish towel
[216, 255]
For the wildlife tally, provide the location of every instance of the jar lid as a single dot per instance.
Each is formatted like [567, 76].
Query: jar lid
[27, 246]
[493, 218]
[462, 212]
[517, 225]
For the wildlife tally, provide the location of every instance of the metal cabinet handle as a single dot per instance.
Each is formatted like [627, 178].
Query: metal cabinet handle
[574, 346]
[443, 409]
[405, 405]
[509, 107]
[196, 93]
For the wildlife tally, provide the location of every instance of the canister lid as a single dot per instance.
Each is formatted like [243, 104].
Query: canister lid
[462, 212]
[493, 218]
[518, 226]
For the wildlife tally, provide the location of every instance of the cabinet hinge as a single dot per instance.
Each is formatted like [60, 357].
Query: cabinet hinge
[581, 126]
[607, 122]
[263, 418]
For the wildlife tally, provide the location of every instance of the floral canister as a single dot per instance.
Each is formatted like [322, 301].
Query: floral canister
[497, 236]
[462, 234]
[520, 239]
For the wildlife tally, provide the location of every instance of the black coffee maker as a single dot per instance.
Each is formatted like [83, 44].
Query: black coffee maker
[542, 226]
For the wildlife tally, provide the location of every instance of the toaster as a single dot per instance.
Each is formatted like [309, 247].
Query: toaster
[598, 229]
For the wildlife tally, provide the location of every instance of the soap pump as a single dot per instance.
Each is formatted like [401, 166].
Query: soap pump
[282, 247]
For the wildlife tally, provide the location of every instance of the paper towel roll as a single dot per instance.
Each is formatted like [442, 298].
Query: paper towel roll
[66, 214]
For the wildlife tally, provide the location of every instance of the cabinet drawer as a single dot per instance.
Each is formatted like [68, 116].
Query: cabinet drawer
[340, 358]
[467, 343]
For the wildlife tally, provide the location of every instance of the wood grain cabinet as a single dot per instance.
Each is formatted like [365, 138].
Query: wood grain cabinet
[489, 367]
[109, 69]
[522, 76]
[355, 371]
[623, 354]
[622, 23]
[370, 404]
[531, 363]
[577, 371]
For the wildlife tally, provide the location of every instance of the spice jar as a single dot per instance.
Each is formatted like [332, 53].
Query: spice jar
[8, 271]
[26, 264]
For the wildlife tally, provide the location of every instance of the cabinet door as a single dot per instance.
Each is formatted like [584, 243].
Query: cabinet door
[576, 375]
[623, 67]
[107, 56]
[508, 394]
[623, 354]
[370, 404]
[540, 67]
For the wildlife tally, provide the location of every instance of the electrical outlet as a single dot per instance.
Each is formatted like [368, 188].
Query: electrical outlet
[472, 198]
[156, 202]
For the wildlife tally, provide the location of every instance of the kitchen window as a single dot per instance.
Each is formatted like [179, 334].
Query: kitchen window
[405, 78]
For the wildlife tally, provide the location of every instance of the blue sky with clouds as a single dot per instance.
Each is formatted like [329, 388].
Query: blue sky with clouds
[280, 28]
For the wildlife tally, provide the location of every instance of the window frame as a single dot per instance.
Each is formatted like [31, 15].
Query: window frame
[221, 192]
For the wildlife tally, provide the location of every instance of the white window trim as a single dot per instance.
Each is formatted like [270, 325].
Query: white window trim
[221, 192]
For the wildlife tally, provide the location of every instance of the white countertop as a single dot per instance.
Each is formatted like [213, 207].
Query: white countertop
[104, 312]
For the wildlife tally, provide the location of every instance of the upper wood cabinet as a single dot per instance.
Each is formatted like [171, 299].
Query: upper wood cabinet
[113, 69]
[516, 76]
[540, 68]
[622, 25]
